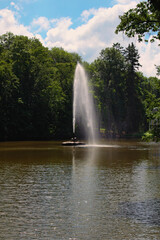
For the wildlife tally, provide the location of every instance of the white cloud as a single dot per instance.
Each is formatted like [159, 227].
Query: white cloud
[60, 35]
[87, 13]
[42, 23]
[150, 56]
[96, 32]
[38, 36]
[89, 38]
[15, 6]
[9, 23]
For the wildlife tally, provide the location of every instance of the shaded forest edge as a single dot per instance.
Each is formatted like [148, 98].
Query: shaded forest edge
[36, 91]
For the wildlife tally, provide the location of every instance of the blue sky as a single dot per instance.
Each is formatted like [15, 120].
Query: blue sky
[53, 8]
[82, 26]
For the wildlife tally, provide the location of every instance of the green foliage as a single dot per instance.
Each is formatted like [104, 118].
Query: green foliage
[117, 89]
[151, 101]
[147, 137]
[145, 18]
[9, 84]
[153, 134]
[35, 89]
[158, 70]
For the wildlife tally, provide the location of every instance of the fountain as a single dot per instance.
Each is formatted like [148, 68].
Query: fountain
[84, 116]
[83, 107]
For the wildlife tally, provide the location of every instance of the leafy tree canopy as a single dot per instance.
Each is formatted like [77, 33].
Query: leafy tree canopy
[145, 18]
[35, 89]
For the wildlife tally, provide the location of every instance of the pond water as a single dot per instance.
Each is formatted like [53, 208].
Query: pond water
[105, 192]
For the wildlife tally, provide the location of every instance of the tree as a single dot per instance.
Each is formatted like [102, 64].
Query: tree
[133, 101]
[117, 89]
[155, 4]
[35, 89]
[8, 95]
[109, 86]
[65, 64]
[151, 100]
[145, 18]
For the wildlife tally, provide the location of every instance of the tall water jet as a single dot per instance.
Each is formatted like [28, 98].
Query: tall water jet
[83, 107]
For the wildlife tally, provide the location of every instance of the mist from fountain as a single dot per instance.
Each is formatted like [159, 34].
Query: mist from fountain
[84, 115]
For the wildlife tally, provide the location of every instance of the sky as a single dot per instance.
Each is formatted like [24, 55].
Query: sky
[82, 26]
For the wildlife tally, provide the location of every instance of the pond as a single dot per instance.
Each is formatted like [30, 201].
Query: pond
[105, 192]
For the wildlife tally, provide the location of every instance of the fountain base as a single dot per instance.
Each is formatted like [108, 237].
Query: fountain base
[72, 143]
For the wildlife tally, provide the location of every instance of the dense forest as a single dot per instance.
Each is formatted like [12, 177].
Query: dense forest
[36, 91]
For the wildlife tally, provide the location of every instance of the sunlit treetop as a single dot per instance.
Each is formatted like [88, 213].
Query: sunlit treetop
[145, 18]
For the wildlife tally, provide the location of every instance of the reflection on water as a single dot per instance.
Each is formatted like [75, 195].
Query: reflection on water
[110, 191]
[147, 212]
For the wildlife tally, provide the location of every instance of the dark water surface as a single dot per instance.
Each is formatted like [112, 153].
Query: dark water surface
[105, 192]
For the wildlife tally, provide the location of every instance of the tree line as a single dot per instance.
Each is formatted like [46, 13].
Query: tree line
[126, 98]
[36, 91]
